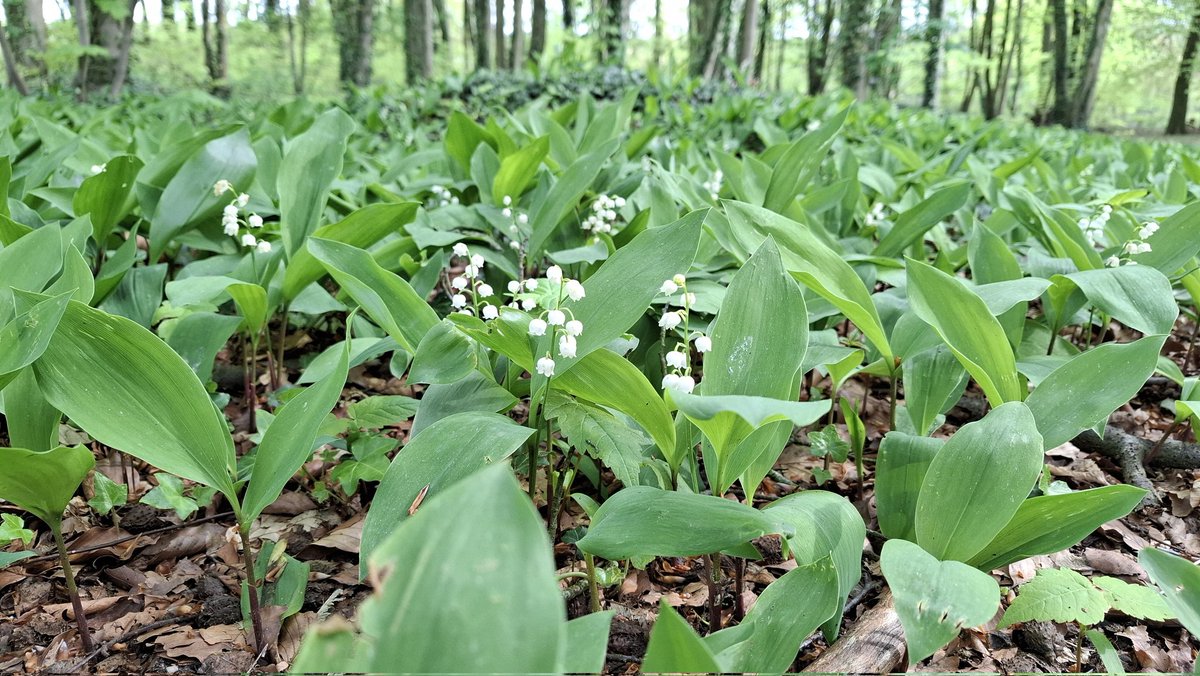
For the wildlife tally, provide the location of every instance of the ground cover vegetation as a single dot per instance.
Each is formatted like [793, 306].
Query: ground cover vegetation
[600, 377]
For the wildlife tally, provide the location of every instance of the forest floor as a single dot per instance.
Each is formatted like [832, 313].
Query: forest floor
[161, 594]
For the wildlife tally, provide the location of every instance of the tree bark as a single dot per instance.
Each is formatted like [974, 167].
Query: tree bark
[659, 39]
[18, 30]
[418, 40]
[354, 28]
[37, 21]
[483, 30]
[568, 7]
[1062, 74]
[613, 25]
[818, 46]
[1085, 91]
[99, 28]
[537, 32]
[747, 38]
[122, 59]
[499, 44]
[933, 59]
[853, 46]
[1177, 121]
[298, 52]
[764, 38]
[10, 65]
[517, 46]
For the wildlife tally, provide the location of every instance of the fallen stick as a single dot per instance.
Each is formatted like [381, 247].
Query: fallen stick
[874, 645]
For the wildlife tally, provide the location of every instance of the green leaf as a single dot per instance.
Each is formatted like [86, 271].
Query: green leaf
[586, 645]
[388, 299]
[828, 442]
[767, 639]
[311, 162]
[799, 163]
[1057, 595]
[168, 494]
[108, 494]
[817, 266]
[1135, 600]
[565, 193]
[899, 474]
[251, 301]
[12, 528]
[1177, 240]
[1179, 580]
[915, 222]
[1051, 523]
[934, 381]
[288, 442]
[826, 525]
[188, 199]
[518, 169]
[476, 392]
[445, 355]
[32, 421]
[641, 521]
[509, 610]
[129, 390]
[601, 435]
[9, 558]
[1108, 654]
[198, 337]
[976, 483]
[675, 648]
[1138, 296]
[105, 196]
[1089, 387]
[362, 228]
[29, 264]
[380, 411]
[26, 336]
[432, 462]
[935, 599]
[966, 325]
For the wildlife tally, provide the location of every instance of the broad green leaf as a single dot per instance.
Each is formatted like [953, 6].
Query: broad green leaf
[105, 196]
[816, 266]
[311, 162]
[728, 419]
[1135, 600]
[378, 411]
[188, 199]
[518, 169]
[476, 392]
[169, 495]
[976, 483]
[934, 381]
[362, 228]
[1050, 523]
[1109, 656]
[966, 325]
[565, 193]
[108, 494]
[1089, 387]
[642, 521]
[288, 442]
[26, 337]
[675, 648]
[799, 163]
[251, 301]
[76, 278]
[12, 529]
[331, 646]
[29, 264]
[935, 599]
[586, 644]
[767, 639]
[1057, 595]
[32, 421]
[42, 483]
[1176, 242]
[462, 136]
[198, 337]
[388, 299]
[915, 222]
[433, 461]
[445, 355]
[1135, 295]
[508, 611]
[1179, 580]
[759, 339]
[826, 525]
[129, 390]
[601, 435]
[899, 474]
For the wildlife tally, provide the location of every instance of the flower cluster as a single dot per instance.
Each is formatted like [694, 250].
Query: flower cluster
[470, 283]
[517, 219]
[559, 320]
[232, 222]
[604, 214]
[442, 196]
[1134, 246]
[713, 185]
[99, 168]
[678, 360]
[1093, 227]
[875, 216]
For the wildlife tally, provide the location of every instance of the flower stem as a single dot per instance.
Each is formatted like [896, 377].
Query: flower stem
[85, 635]
[593, 584]
[252, 585]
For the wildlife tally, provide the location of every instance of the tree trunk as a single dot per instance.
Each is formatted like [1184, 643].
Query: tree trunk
[882, 75]
[747, 38]
[568, 7]
[501, 51]
[37, 21]
[100, 29]
[10, 65]
[1018, 49]
[441, 17]
[122, 64]
[270, 14]
[818, 47]
[537, 33]
[1085, 90]
[1062, 104]
[933, 59]
[781, 40]
[18, 30]
[613, 27]
[764, 37]
[483, 26]
[418, 40]
[517, 47]
[354, 28]
[1177, 121]
[659, 45]
[853, 46]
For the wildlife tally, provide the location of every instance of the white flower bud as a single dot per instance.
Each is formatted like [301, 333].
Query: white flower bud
[528, 304]
[556, 318]
[249, 240]
[506, 212]
[459, 283]
[514, 286]
[567, 346]
[686, 384]
[668, 287]
[679, 280]
[703, 344]
[477, 261]
[669, 321]
[460, 249]
[537, 327]
[554, 274]
[484, 291]
[574, 327]
[545, 366]
[230, 210]
[231, 228]
[1112, 261]
[676, 359]
[574, 289]
[221, 187]
[669, 381]
[507, 200]
[254, 221]
[263, 246]
[489, 312]
[243, 199]
[522, 218]
[458, 300]
[531, 284]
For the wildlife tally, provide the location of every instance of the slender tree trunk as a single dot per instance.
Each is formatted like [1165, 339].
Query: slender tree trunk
[354, 28]
[441, 19]
[483, 25]
[500, 43]
[418, 40]
[747, 38]
[613, 27]
[818, 46]
[1062, 74]
[517, 47]
[122, 64]
[1177, 122]
[658, 47]
[37, 21]
[83, 30]
[537, 33]
[853, 46]
[764, 38]
[18, 30]
[568, 15]
[1085, 89]
[781, 53]
[10, 65]
[933, 59]
[1018, 50]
